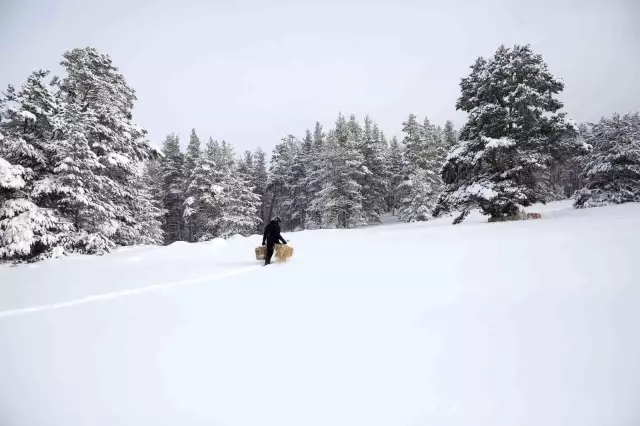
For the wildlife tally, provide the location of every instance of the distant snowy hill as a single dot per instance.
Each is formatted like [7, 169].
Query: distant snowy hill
[519, 323]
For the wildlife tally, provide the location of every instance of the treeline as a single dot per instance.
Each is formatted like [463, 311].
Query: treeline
[71, 179]
[206, 192]
[345, 177]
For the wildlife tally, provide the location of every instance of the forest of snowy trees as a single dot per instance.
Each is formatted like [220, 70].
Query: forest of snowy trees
[78, 176]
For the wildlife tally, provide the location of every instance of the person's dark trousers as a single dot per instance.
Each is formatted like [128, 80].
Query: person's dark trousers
[267, 259]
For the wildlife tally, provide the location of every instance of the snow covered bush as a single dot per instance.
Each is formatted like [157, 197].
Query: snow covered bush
[612, 168]
[513, 132]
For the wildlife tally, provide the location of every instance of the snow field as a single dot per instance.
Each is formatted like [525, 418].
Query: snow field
[527, 323]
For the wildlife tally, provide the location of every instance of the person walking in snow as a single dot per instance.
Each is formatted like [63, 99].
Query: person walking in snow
[271, 237]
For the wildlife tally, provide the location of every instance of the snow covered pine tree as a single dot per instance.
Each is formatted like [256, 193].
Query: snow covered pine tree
[395, 167]
[79, 153]
[374, 181]
[99, 142]
[191, 212]
[30, 228]
[419, 191]
[235, 196]
[259, 183]
[513, 131]
[172, 173]
[315, 179]
[341, 195]
[612, 168]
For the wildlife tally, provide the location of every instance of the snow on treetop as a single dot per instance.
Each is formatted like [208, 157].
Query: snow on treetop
[493, 143]
[15, 207]
[1, 136]
[117, 159]
[573, 124]
[158, 152]
[459, 150]
[45, 186]
[10, 175]
[27, 115]
[217, 189]
[481, 191]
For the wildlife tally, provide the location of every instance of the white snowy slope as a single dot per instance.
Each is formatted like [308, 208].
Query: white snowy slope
[523, 323]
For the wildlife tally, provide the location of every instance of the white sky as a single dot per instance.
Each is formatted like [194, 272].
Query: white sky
[252, 72]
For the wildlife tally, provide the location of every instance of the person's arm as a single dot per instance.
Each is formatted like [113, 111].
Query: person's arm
[264, 236]
[282, 239]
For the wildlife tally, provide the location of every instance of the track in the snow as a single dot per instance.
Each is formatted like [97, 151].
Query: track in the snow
[124, 293]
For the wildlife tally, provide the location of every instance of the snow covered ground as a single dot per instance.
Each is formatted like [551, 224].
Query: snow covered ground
[518, 323]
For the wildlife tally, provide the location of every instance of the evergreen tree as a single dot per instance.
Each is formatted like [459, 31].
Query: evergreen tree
[214, 151]
[152, 182]
[27, 231]
[415, 146]
[172, 168]
[83, 191]
[355, 133]
[341, 130]
[421, 197]
[245, 165]
[192, 155]
[450, 135]
[148, 212]
[30, 228]
[239, 204]
[396, 166]
[566, 172]
[297, 182]
[289, 177]
[438, 145]
[424, 157]
[97, 96]
[512, 133]
[316, 179]
[340, 199]
[259, 183]
[227, 160]
[277, 184]
[318, 137]
[204, 194]
[190, 213]
[612, 168]
[374, 180]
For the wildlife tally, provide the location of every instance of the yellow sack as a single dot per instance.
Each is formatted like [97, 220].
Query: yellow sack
[261, 252]
[282, 252]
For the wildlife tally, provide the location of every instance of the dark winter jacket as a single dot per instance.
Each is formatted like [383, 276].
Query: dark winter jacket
[272, 233]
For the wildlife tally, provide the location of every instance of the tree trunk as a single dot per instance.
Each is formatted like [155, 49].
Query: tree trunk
[273, 200]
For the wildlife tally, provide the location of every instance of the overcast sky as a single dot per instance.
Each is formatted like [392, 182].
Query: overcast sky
[252, 72]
